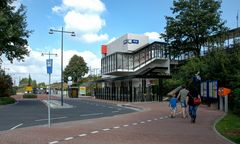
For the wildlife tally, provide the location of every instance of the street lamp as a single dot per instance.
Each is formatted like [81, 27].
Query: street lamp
[72, 34]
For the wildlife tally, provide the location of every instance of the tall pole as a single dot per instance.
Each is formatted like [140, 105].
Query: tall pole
[62, 68]
[237, 19]
[72, 34]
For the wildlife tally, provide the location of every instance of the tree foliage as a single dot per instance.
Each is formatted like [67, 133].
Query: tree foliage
[24, 82]
[76, 68]
[13, 32]
[5, 84]
[193, 22]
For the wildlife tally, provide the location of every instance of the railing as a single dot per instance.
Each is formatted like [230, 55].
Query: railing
[130, 62]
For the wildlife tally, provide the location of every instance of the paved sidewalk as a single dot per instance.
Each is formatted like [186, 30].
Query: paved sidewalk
[150, 126]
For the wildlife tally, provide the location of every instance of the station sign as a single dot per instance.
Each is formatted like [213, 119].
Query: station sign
[130, 41]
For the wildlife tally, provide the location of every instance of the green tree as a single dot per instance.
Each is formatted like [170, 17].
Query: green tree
[41, 85]
[13, 32]
[5, 84]
[193, 22]
[76, 68]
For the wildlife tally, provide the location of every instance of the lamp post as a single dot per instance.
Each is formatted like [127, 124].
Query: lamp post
[49, 71]
[62, 32]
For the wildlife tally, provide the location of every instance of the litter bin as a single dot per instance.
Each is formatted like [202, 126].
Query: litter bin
[73, 92]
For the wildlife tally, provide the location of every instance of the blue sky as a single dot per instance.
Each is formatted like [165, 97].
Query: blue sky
[95, 22]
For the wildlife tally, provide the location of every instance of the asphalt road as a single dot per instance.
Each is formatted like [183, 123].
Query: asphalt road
[27, 113]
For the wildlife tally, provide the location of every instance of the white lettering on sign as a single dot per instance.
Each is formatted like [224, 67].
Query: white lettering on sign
[130, 41]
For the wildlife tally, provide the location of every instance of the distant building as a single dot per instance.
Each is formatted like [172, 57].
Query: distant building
[132, 69]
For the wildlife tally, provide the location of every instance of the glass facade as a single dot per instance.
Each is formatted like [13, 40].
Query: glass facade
[121, 61]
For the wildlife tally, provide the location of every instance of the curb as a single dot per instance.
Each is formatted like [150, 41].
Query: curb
[220, 135]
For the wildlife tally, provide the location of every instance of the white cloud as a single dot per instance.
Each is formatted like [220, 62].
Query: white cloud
[84, 17]
[57, 9]
[154, 36]
[94, 37]
[83, 23]
[90, 6]
[35, 64]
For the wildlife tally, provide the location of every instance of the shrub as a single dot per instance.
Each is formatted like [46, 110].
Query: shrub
[236, 107]
[6, 100]
[29, 95]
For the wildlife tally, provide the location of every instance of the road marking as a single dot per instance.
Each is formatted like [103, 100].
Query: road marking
[110, 107]
[94, 132]
[69, 138]
[93, 114]
[53, 142]
[51, 119]
[115, 111]
[82, 135]
[106, 129]
[16, 126]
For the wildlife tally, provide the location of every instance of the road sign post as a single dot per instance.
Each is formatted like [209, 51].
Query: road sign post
[49, 64]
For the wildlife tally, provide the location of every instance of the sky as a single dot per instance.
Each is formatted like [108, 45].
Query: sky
[95, 22]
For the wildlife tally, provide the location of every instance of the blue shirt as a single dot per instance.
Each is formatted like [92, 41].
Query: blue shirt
[173, 102]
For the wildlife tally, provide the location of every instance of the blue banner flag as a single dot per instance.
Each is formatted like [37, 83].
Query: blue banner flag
[49, 66]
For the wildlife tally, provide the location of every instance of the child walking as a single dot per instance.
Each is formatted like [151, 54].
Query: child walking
[173, 106]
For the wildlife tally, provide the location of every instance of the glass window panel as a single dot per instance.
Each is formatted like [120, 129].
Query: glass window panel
[119, 61]
[125, 62]
[130, 62]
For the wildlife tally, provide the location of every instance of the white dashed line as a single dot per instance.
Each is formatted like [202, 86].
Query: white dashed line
[106, 129]
[94, 132]
[53, 142]
[69, 138]
[56, 118]
[82, 135]
[93, 114]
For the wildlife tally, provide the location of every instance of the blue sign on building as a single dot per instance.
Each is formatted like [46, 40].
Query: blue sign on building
[49, 65]
[130, 41]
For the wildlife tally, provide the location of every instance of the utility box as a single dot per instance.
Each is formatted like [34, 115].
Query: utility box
[73, 92]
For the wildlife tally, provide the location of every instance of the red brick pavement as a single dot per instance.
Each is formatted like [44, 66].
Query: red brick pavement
[39, 97]
[151, 126]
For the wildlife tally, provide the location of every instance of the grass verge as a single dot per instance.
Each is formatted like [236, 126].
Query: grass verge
[6, 100]
[229, 127]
